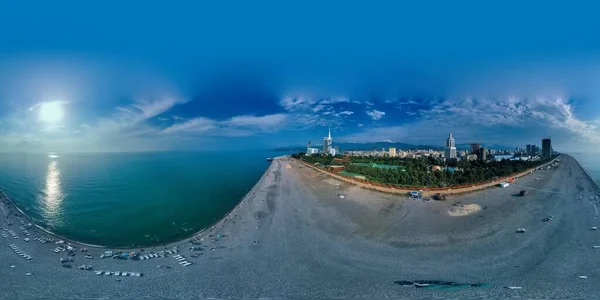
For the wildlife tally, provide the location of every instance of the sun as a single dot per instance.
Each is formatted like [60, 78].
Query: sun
[51, 112]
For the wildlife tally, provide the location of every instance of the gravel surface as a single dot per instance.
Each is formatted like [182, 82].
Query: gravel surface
[293, 236]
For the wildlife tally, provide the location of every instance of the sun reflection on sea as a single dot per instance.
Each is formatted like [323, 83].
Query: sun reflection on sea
[53, 194]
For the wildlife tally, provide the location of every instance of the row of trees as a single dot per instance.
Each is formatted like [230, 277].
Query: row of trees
[418, 170]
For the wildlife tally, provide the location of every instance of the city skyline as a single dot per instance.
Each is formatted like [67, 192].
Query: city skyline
[198, 81]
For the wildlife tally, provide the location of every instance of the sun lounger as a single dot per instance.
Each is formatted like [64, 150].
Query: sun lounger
[187, 263]
[176, 256]
[107, 273]
[117, 273]
[28, 257]
[99, 272]
[180, 259]
[182, 262]
[124, 274]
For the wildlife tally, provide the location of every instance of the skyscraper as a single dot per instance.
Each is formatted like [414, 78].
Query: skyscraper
[546, 147]
[474, 148]
[450, 147]
[327, 148]
[530, 149]
[482, 154]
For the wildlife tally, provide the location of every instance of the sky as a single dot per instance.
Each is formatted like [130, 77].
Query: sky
[80, 76]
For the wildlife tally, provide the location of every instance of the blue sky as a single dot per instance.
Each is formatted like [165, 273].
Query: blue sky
[145, 76]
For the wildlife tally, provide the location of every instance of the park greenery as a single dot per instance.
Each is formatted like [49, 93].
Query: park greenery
[418, 171]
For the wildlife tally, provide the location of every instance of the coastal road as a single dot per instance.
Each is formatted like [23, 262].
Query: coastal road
[294, 237]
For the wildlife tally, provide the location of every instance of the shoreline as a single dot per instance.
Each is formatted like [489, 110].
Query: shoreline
[375, 186]
[590, 177]
[296, 229]
[211, 227]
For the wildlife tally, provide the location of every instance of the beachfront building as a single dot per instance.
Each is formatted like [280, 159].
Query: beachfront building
[311, 151]
[450, 152]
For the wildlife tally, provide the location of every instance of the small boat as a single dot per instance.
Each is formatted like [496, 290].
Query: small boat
[269, 159]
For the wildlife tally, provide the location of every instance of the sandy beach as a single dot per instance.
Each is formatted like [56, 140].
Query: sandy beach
[294, 236]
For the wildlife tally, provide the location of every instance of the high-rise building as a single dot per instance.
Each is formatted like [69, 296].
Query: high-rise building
[327, 141]
[546, 147]
[392, 152]
[529, 149]
[474, 147]
[327, 145]
[482, 154]
[536, 150]
[450, 147]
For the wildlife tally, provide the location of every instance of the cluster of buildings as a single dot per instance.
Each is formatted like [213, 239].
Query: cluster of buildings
[475, 151]
[328, 147]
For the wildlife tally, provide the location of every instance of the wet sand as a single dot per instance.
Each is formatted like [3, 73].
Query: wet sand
[295, 237]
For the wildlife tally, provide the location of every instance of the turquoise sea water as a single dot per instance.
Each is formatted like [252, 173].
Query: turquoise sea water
[129, 199]
[590, 162]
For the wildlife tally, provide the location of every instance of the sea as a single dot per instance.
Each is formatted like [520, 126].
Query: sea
[129, 199]
[140, 199]
[590, 161]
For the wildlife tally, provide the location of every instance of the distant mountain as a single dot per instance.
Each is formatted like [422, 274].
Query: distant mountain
[382, 145]
[361, 146]
[485, 145]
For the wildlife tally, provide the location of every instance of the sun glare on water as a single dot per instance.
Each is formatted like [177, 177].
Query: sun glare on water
[51, 112]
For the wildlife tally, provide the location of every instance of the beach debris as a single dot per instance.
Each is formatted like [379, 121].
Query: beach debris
[548, 219]
[594, 228]
[582, 277]
[596, 247]
[513, 287]
[12, 266]
[342, 196]
[437, 284]
[521, 230]
[85, 267]
[28, 274]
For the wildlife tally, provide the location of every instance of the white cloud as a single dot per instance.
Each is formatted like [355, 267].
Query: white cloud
[335, 100]
[236, 126]
[296, 103]
[267, 122]
[360, 125]
[375, 114]
[200, 124]
[319, 108]
[345, 113]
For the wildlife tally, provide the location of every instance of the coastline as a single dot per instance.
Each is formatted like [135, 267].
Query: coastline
[586, 172]
[219, 222]
[296, 238]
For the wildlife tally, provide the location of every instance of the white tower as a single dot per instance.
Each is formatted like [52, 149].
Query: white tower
[450, 148]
